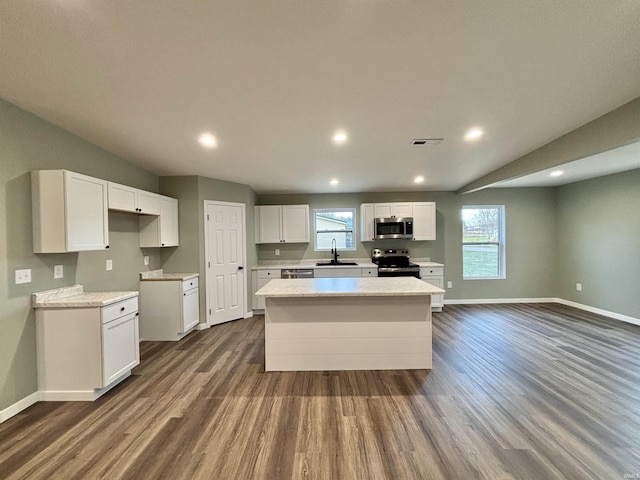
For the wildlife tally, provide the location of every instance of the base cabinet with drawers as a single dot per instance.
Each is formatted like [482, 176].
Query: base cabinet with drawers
[434, 276]
[84, 351]
[169, 306]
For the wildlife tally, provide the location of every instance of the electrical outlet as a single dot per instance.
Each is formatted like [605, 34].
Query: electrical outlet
[449, 284]
[109, 264]
[58, 271]
[146, 259]
[579, 287]
[277, 252]
[23, 276]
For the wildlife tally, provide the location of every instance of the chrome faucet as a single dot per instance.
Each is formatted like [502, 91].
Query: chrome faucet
[334, 251]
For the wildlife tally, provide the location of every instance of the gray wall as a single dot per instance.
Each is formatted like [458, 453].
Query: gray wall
[191, 193]
[599, 242]
[29, 143]
[531, 237]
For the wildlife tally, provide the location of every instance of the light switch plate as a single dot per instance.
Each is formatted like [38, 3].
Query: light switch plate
[449, 284]
[58, 271]
[23, 276]
[277, 251]
[109, 264]
[146, 259]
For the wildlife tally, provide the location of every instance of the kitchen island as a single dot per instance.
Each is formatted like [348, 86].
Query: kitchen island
[367, 323]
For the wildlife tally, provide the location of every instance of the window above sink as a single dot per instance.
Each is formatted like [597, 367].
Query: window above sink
[334, 223]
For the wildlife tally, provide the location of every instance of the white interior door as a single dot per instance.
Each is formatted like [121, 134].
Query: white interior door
[225, 252]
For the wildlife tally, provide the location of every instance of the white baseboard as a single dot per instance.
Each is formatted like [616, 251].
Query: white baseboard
[58, 396]
[587, 308]
[480, 301]
[202, 326]
[249, 314]
[19, 406]
[599, 311]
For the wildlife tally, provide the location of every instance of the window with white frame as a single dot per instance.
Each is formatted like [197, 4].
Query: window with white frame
[483, 242]
[334, 223]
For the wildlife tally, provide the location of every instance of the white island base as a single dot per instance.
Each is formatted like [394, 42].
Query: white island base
[347, 324]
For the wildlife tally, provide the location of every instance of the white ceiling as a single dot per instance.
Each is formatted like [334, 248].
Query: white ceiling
[617, 160]
[274, 79]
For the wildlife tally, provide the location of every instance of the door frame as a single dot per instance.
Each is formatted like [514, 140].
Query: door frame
[207, 262]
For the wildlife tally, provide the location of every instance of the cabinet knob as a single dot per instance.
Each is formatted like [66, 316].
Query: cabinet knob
[122, 309]
[240, 268]
[107, 246]
[184, 294]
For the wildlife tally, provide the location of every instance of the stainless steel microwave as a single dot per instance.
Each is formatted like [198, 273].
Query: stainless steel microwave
[393, 227]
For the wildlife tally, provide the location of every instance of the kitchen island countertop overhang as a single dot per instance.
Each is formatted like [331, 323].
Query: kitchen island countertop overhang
[335, 287]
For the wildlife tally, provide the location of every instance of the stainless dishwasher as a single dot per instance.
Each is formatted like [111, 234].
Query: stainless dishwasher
[296, 273]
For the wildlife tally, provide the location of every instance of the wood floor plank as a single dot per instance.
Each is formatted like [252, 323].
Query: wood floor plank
[517, 391]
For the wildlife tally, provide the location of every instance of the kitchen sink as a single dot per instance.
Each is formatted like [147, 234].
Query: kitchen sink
[336, 264]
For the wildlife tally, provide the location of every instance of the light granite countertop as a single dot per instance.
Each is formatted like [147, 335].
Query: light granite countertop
[348, 287]
[76, 297]
[159, 275]
[311, 263]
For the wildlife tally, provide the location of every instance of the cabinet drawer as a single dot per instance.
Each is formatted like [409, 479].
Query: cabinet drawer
[190, 284]
[271, 273]
[431, 271]
[117, 310]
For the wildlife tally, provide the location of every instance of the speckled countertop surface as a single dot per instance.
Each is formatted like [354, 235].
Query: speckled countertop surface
[159, 275]
[311, 263]
[76, 297]
[348, 287]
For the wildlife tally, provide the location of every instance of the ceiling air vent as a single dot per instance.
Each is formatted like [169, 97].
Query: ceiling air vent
[426, 141]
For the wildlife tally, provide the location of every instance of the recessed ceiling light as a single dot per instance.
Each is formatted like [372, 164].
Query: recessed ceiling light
[556, 173]
[334, 181]
[473, 134]
[207, 140]
[418, 179]
[340, 137]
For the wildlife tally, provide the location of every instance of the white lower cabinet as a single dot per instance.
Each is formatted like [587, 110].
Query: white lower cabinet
[169, 309]
[434, 276]
[260, 278]
[84, 351]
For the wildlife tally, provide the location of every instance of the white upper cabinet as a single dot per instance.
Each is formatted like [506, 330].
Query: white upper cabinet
[129, 199]
[387, 210]
[282, 223]
[161, 230]
[423, 214]
[366, 222]
[295, 223]
[70, 212]
[424, 221]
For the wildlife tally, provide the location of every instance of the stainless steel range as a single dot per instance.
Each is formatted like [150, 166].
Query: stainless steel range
[394, 263]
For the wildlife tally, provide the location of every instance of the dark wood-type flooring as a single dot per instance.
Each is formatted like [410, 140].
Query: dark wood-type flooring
[516, 391]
